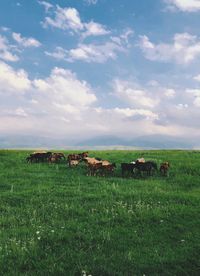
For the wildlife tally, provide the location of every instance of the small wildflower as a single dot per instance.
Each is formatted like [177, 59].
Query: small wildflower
[38, 232]
[39, 238]
[52, 231]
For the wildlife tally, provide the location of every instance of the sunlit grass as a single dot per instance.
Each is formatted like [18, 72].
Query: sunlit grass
[58, 221]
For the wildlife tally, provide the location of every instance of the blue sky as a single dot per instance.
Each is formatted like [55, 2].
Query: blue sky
[100, 67]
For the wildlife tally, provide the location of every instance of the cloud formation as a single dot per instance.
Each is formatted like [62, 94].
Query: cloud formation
[46, 5]
[69, 19]
[61, 104]
[7, 51]
[94, 52]
[91, 2]
[26, 42]
[133, 95]
[13, 81]
[184, 5]
[184, 49]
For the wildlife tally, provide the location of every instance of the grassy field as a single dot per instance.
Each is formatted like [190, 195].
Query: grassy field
[56, 220]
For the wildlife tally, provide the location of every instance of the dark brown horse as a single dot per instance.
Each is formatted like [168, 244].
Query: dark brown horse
[38, 157]
[76, 156]
[127, 169]
[164, 168]
[148, 167]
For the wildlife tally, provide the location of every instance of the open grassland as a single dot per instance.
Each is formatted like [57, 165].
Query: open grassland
[55, 220]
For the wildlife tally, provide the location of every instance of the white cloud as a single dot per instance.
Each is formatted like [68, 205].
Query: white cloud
[142, 113]
[69, 19]
[46, 5]
[95, 53]
[98, 53]
[59, 53]
[61, 105]
[25, 42]
[20, 112]
[15, 81]
[133, 95]
[197, 101]
[91, 2]
[6, 50]
[195, 95]
[195, 92]
[4, 29]
[65, 19]
[52, 104]
[184, 49]
[63, 87]
[126, 35]
[197, 78]
[88, 53]
[184, 5]
[169, 93]
[94, 29]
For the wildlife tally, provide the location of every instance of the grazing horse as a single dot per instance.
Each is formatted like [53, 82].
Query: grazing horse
[54, 158]
[164, 167]
[93, 168]
[91, 160]
[94, 164]
[107, 169]
[38, 157]
[60, 155]
[147, 166]
[127, 168]
[76, 156]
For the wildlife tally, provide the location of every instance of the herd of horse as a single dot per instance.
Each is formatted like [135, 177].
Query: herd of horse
[97, 166]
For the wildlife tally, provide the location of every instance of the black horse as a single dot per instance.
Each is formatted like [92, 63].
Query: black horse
[127, 168]
[148, 167]
[38, 157]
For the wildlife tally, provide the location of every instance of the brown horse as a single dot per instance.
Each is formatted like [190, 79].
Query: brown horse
[107, 169]
[76, 156]
[164, 167]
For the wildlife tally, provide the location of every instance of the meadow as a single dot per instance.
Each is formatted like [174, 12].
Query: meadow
[56, 220]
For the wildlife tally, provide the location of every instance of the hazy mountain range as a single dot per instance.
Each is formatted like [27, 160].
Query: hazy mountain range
[144, 142]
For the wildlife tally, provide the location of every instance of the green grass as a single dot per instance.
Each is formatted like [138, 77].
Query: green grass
[58, 221]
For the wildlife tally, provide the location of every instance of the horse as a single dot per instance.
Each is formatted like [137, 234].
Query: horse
[38, 157]
[127, 168]
[60, 155]
[93, 168]
[107, 169]
[76, 156]
[164, 167]
[148, 167]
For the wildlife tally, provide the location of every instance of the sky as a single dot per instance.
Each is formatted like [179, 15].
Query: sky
[87, 68]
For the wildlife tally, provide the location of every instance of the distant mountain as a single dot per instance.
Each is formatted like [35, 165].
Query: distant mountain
[23, 141]
[103, 141]
[143, 142]
[150, 141]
